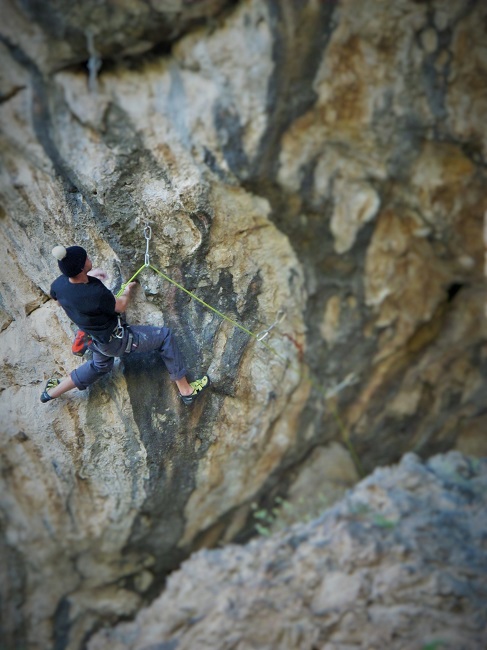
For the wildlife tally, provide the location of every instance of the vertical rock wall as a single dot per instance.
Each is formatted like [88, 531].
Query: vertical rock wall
[322, 158]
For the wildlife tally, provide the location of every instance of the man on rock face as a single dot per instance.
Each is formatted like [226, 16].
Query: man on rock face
[96, 311]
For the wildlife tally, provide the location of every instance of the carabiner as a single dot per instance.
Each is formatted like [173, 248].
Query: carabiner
[279, 318]
[147, 235]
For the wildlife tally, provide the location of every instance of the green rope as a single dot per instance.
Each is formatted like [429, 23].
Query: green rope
[190, 293]
[230, 320]
[124, 286]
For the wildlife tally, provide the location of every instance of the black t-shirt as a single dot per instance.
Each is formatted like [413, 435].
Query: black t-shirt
[91, 306]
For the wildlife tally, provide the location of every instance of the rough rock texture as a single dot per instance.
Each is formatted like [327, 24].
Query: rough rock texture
[325, 158]
[58, 33]
[399, 563]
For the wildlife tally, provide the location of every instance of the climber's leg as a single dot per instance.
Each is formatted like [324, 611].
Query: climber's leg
[80, 377]
[93, 370]
[162, 339]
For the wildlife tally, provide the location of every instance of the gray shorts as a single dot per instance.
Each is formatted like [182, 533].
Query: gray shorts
[145, 339]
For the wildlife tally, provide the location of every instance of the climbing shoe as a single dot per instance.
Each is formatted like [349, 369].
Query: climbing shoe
[198, 387]
[51, 383]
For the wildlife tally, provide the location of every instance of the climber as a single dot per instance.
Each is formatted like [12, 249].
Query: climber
[95, 310]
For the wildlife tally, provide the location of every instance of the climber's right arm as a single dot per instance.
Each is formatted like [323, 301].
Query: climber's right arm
[121, 303]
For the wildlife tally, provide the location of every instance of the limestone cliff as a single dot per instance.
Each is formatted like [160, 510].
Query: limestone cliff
[399, 563]
[322, 158]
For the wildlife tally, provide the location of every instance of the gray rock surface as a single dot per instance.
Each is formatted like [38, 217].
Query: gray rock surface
[59, 33]
[399, 563]
[323, 158]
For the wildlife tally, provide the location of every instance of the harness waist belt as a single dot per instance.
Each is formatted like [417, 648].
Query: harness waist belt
[130, 338]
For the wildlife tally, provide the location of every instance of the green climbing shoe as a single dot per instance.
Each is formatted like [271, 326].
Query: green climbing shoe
[198, 387]
[51, 383]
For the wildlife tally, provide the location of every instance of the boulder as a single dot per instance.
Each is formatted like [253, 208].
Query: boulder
[398, 563]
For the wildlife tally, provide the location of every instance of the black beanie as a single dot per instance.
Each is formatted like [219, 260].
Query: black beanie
[71, 260]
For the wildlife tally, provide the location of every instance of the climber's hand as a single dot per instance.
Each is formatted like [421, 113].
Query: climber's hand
[99, 273]
[123, 300]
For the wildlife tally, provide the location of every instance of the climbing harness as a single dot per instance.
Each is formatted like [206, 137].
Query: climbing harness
[119, 333]
[130, 340]
[83, 342]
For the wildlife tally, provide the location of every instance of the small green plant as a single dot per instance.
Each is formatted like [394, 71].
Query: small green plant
[359, 509]
[270, 520]
[264, 520]
[383, 522]
[434, 645]
[364, 512]
[285, 513]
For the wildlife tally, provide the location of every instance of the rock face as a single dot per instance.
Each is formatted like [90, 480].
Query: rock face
[58, 33]
[325, 159]
[398, 563]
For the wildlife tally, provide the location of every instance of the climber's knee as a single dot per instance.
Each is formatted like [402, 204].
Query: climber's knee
[91, 371]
